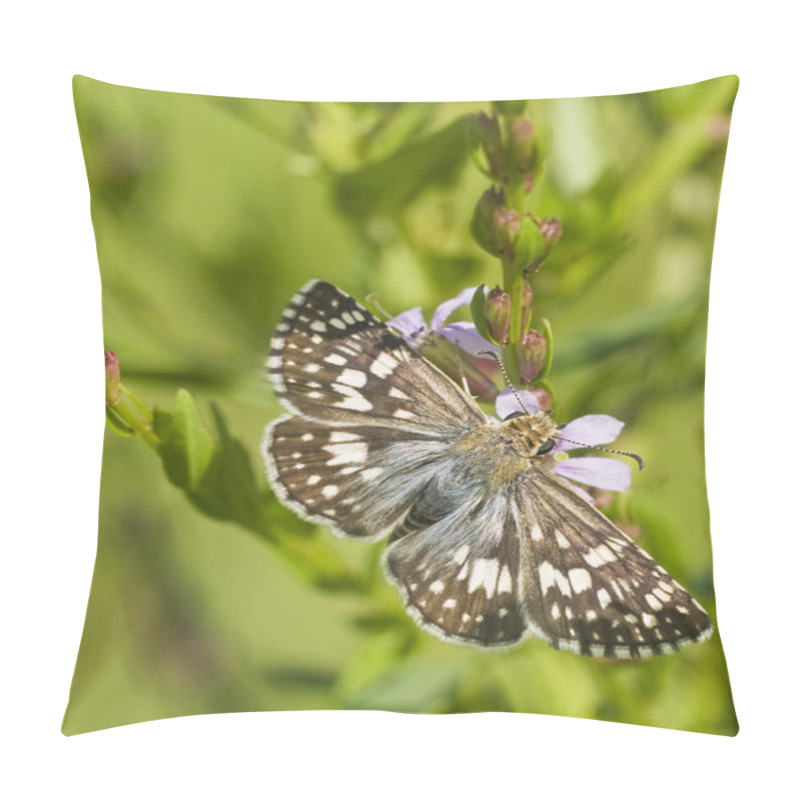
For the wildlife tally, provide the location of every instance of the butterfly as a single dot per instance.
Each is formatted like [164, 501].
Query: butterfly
[487, 545]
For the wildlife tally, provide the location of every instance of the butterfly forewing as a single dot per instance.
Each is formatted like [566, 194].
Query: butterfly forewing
[333, 361]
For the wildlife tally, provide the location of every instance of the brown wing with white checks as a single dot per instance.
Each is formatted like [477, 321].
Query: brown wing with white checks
[588, 588]
[333, 361]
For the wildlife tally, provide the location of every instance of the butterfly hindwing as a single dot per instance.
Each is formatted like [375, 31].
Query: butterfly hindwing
[588, 588]
[459, 576]
[357, 479]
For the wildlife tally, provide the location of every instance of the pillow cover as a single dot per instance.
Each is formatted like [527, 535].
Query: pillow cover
[479, 320]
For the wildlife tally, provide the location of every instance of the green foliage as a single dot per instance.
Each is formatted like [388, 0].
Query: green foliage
[209, 213]
[389, 186]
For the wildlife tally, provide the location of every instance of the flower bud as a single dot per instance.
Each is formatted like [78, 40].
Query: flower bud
[507, 224]
[531, 353]
[523, 144]
[543, 396]
[530, 179]
[480, 373]
[483, 225]
[551, 229]
[492, 141]
[527, 303]
[497, 313]
[113, 390]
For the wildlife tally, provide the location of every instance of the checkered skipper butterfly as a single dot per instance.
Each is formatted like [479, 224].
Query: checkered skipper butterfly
[488, 545]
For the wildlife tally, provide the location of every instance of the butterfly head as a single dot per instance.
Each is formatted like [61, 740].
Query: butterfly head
[531, 435]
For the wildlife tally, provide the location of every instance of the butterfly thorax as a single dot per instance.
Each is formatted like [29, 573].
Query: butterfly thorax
[507, 450]
[528, 434]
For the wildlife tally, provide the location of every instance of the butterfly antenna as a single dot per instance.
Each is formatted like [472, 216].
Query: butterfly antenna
[638, 459]
[498, 358]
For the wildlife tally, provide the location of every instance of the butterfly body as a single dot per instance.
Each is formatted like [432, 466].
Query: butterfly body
[488, 544]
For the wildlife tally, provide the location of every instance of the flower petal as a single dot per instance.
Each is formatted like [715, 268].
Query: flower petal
[590, 430]
[449, 306]
[506, 403]
[582, 492]
[410, 323]
[466, 336]
[603, 473]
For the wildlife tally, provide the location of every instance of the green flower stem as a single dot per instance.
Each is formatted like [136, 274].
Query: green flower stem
[142, 428]
[513, 278]
[143, 409]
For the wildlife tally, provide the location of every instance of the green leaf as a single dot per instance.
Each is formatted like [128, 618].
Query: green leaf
[412, 686]
[186, 447]
[228, 489]
[477, 308]
[387, 187]
[116, 424]
[373, 660]
[529, 245]
[550, 339]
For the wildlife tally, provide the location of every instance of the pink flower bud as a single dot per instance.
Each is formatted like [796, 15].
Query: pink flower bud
[492, 141]
[531, 352]
[498, 314]
[507, 222]
[545, 401]
[523, 144]
[551, 229]
[113, 390]
[480, 373]
[527, 303]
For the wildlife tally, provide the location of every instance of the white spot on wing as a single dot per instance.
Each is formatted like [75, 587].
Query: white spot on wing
[383, 365]
[344, 436]
[549, 577]
[597, 556]
[346, 453]
[580, 579]
[653, 602]
[484, 573]
[504, 583]
[355, 402]
[353, 377]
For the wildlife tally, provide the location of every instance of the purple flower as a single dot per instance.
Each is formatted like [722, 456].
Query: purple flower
[589, 430]
[412, 325]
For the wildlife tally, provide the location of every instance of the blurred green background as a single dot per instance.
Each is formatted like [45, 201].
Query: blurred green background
[209, 213]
